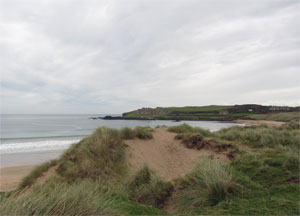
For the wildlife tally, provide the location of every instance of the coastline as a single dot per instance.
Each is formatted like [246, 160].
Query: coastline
[177, 119]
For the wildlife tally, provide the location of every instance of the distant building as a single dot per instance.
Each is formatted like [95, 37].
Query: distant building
[224, 112]
[279, 108]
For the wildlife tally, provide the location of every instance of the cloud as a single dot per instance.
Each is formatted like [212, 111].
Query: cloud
[114, 56]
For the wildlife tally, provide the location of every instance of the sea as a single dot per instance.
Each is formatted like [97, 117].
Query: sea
[36, 133]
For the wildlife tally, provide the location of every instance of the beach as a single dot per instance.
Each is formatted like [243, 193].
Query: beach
[258, 122]
[15, 166]
[10, 177]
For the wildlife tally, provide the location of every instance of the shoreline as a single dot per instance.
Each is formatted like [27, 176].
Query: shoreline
[28, 158]
[162, 119]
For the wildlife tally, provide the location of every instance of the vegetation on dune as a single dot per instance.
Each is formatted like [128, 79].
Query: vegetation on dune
[267, 179]
[56, 197]
[101, 154]
[263, 135]
[92, 176]
[138, 132]
[185, 128]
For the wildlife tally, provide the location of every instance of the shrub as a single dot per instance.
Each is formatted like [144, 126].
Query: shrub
[208, 184]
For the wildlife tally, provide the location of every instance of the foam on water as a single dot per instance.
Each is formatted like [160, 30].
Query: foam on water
[34, 146]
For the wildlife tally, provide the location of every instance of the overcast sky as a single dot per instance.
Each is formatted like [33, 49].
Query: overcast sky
[95, 56]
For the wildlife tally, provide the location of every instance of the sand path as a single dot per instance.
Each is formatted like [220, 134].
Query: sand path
[167, 156]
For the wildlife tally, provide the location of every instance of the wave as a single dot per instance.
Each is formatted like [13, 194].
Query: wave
[34, 146]
[41, 137]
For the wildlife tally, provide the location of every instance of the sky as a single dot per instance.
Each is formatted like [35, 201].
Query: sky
[114, 56]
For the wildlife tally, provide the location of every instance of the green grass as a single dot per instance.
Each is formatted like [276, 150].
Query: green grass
[285, 116]
[260, 179]
[263, 136]
[270, 166]
[36, 173]
[188, 109]
[189, 112]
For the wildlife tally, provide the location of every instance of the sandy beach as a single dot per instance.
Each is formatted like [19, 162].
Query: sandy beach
[258, 122]
[10, 177]
[15, 166]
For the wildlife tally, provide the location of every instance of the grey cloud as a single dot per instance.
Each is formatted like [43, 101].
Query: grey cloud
[114, 56]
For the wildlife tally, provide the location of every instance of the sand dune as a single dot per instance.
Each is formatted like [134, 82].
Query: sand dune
[165, 155]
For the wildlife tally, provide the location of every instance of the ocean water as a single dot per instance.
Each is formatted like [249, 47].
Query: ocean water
[33, 133]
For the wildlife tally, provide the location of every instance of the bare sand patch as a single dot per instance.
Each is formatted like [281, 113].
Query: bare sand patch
[10, 177]
[165, 155]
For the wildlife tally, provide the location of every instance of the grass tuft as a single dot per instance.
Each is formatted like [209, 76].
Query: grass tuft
[185, 128]
[147, 188]
[138, 132]
[208, 184]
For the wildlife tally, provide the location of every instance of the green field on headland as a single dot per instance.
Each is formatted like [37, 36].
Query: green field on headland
[215, 112]
[258, 175]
